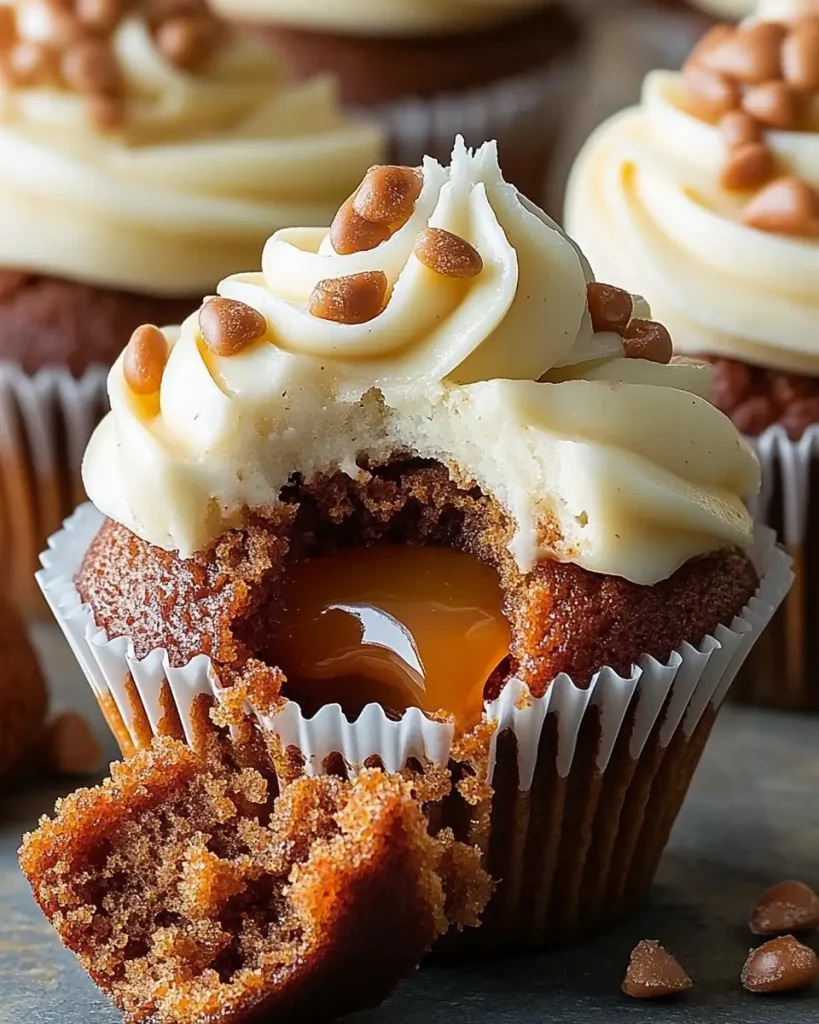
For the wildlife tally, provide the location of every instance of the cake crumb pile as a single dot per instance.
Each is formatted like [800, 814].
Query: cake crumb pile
[190, 896]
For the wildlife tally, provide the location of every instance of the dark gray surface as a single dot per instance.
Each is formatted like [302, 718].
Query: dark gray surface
[752, 818]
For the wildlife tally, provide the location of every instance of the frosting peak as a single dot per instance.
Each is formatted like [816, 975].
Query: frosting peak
[495, 364]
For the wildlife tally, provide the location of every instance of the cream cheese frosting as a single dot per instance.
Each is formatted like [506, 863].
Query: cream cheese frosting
[377, 17]
[617, 464]
[204, 166]
[645, 202]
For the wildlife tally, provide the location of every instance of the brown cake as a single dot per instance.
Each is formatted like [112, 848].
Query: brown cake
[422, 492]
[190, 896]
[23, 695]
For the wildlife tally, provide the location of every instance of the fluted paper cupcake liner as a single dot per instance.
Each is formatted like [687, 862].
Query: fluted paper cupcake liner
[587, 780]
[524, 114]
[784, 669]
[46, 420]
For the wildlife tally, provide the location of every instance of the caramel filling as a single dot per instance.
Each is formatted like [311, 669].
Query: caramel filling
[397, 626]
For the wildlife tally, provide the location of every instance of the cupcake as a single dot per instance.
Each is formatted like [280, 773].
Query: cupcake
[422, 494]
[148, 152]
[707, 195]
[426, 69]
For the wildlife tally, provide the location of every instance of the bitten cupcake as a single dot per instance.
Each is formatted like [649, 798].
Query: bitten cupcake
[422, 493]
[426, 69]
[147, 152]
[707, 196]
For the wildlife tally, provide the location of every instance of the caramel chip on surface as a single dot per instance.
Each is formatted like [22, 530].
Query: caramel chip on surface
[99, 15]
[749, 166]
[355, 299]
[187, 40]
[646, 339]
[610, 307]
[388, 194]
[145, 358]
[787, 206]
[447, 254]
[90, 66]
[750, 54]
[350, 232]
[229, 326]
[789, 906]
[800, 56]
[781, 965]
[653, 972]
[773, 104]
[710, 93]
[738, 128]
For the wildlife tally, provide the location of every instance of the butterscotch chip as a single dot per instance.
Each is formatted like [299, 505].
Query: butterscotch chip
[146, 356]
[653, 973]
[710, 93]
[8, 27]
[789, 906]
[646, 339]
[355, 299]
[447, 254]
[610, 307]
[99, 15]
[713, 39]
[72, 747]
[738, 128]
[29, 62]
[228, 326]
[800, 56]
[388, 195]
[787, 206]
[58, 27]
[781, 965]
[351, 233]
[773, 104]
[187, 41]
[750, 164]
[750, 54]
[90, 66]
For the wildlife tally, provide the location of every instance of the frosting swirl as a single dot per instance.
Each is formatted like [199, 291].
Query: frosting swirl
[372, 17]
[499, 376]
[646, 202]
[202, 168]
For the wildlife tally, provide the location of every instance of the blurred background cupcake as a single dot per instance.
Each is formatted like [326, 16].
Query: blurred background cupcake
[146, 153]
[706, 198]
[429, 69]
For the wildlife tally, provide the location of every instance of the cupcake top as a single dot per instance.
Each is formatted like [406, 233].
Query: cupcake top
[444, 316]
[375, 17]
[707, 194]
[146, 147]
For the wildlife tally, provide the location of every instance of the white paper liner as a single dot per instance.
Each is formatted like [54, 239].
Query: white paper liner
[46, 420]
[693, 678]
[792, 460]
[526, 110]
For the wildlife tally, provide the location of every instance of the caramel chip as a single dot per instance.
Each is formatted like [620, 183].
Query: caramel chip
[750, 54]
[145, 358]
[800, 56]
[610, 307]
[355, 299]
[773, 104]
[8, 27]
[90, 66]
[388, 195]
[99, 15]
[28, 62]
[738, 129]
[187, 40]
[72, 747]
[447, 254]
[780, 965]
[351, 233]
[653, 973]
[646, 339]
[228, 326]
[749, 166]
[788, 206]
[790, 906]
[710, 93]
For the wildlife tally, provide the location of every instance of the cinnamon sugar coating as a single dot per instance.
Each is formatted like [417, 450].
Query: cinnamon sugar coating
[190, 899]
[564, 618]
[23, 695]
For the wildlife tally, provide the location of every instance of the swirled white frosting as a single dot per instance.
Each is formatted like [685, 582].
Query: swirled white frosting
[378, 17]
[206, 165]
[646, 204]
[617, 464]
